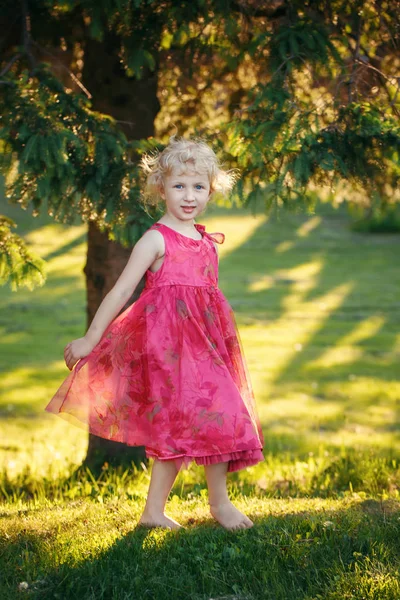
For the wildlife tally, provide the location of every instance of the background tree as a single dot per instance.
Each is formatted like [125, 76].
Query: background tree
[326, 112]
[297, 94]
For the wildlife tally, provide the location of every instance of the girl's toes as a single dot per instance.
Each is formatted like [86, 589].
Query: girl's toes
[240, 525]
[229, 516]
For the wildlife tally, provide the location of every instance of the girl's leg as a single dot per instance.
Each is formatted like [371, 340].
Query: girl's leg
[163, 475]
[221, 507]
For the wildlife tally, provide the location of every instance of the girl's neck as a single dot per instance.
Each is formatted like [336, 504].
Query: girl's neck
[182, 226]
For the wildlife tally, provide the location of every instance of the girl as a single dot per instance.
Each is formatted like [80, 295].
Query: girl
[168, 373]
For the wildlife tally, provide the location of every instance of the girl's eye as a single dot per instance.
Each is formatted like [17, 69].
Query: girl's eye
[199, 187]
[178, 186]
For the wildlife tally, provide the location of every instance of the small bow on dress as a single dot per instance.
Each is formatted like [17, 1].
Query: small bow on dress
[215, 237]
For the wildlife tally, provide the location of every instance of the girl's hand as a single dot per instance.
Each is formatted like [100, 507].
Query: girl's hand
[75, 350]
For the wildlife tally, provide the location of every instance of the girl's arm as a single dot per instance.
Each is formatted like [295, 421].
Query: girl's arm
[145, 252]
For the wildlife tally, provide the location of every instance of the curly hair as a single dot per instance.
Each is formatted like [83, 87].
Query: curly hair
[182, 154]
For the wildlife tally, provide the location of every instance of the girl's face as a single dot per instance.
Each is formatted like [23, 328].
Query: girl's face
[186, 194]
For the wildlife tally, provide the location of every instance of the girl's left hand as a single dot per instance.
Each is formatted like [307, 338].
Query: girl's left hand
[75, 350]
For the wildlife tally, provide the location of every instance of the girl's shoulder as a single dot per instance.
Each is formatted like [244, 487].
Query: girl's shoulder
[153, 237]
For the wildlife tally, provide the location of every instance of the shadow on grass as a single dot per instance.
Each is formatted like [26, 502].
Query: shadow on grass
[65, 248]
[289, 555]
[332, 293]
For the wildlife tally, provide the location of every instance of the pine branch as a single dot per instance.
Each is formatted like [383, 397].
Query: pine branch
[10, 64]
[282, 65]
[368, 63]
[387, 80]
[70, 73]
[18, 265]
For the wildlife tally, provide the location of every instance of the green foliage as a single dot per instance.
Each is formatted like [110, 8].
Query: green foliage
[325, 112]
[303, 41]
[56, 153]
[18, 266]
[69, 158]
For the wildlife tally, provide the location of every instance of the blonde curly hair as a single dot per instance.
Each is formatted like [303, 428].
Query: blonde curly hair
[182, 154]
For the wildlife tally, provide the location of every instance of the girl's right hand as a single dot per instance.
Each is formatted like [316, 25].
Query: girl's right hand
[75, 350]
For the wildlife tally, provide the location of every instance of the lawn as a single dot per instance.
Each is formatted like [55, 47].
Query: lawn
[318, 311]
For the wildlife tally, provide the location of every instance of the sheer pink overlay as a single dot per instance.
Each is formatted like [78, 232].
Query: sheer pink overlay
[168, 373]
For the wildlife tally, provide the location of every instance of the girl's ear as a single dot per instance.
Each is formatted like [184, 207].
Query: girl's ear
[162, 192]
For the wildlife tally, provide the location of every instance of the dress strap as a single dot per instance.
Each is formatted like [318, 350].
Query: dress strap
[215, 237]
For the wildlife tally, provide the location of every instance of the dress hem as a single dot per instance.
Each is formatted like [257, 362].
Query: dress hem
[236, 460]
[239, 459]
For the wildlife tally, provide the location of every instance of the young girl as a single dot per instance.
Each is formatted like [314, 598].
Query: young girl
[168, 373]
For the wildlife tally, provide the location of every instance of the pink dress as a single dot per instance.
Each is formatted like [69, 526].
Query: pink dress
[168, 373]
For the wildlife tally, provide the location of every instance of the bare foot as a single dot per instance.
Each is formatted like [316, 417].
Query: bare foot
[159, 520]
[229, 516]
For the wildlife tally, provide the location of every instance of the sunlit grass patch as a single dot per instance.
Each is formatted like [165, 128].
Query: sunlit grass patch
[282, 474]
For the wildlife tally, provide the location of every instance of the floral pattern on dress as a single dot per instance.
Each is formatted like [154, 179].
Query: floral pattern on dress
[169, 372]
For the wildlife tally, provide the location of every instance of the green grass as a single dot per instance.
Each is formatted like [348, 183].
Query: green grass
[318, 311]
[304, 549]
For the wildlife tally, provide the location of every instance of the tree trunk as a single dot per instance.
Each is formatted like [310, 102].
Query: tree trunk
[105, 261]
[135, 103]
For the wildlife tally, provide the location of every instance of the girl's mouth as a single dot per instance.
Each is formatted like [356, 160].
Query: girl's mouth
[188, 209]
